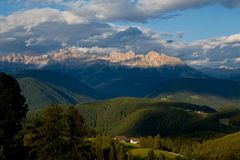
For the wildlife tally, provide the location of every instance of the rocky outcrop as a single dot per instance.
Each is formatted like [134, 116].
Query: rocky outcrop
[74, 56]
[152, 59]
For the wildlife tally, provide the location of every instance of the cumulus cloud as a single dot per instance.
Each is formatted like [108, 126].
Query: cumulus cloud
[44, 30]
[156, 6]
[47, 1]
[212, 52]
[87, 25]
[66, 4]
[51, 36]
[198, 62]
[132, 10]
[237, 59]
[142, 10]
[34, 17]
[96, 49]
[232, 39]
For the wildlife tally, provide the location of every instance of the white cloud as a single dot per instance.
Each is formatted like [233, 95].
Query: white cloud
[226, 67]
[198, 62]
[142, 10]
[232, 39]
[102, 38]
[46, 1]
[96, 49]
[151, 6]
[132, 10]
[34, 17]
[237, 59]
[46, 29]
[75, 5]
[212, 52]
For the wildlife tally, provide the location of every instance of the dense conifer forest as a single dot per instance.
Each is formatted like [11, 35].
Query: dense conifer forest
[165, 130]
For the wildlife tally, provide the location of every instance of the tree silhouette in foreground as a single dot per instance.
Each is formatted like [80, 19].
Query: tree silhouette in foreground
[12, 111]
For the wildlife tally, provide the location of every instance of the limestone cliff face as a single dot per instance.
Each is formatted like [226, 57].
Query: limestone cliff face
[74, 56]
[120, 57]
[152, 59]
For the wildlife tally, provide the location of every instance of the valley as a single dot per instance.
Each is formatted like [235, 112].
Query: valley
[137, 96]
[119, 80]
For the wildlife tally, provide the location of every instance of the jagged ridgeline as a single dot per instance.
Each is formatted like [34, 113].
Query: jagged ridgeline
[77, 57]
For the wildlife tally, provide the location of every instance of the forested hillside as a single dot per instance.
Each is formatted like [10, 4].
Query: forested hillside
[39, 94]
[130, 116]
[224, 148]
[216, 102]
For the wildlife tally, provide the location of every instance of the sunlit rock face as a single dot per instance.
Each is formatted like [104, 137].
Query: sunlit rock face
[75, 56]
[152, 59]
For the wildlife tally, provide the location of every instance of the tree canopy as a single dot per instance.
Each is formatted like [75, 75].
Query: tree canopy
[57, 132]
[12, 111]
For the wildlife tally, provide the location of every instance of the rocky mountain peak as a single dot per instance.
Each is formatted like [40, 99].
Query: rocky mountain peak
[116, 56]
[74, 56]
[152, 59]
[152, 55]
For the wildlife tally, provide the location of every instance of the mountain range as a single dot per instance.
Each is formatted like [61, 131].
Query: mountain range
[72, 76]
[221, 73]
[76, 57]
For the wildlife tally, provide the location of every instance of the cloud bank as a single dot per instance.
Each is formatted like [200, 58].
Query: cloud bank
[90, 24]
[131, 10]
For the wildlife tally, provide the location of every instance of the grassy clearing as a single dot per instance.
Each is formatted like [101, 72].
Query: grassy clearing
[143, 152]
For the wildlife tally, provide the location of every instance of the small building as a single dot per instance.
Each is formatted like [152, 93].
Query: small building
[121, 139]
[135, 140]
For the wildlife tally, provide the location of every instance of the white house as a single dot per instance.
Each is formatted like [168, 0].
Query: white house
[135, 140]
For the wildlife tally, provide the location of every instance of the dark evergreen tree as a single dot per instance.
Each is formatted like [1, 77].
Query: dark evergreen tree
[151, 155]
[130, 156]
[157, 142]
[161, 157]
[102, 145]
[112, 154]
[121, 153]
[56, 133]
[12, 111]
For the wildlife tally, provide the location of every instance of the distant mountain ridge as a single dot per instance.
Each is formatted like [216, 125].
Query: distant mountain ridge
[42, 87]
[152, 59]
[74, 56]
[103, 82]
[39, 94]
[220, 87]
[85, 76]
[223, 73]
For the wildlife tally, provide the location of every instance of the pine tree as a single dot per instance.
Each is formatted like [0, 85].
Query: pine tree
[12, 111]
[161, 157]
[151, 155]
[130, 156]
[157, 142]
[56, 133]
[121, 154]
[112, 154]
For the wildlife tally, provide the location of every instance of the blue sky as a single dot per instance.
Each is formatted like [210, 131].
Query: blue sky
[198, 23]
[201, 32]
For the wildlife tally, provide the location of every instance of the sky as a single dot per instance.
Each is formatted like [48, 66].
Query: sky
[200, 32]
